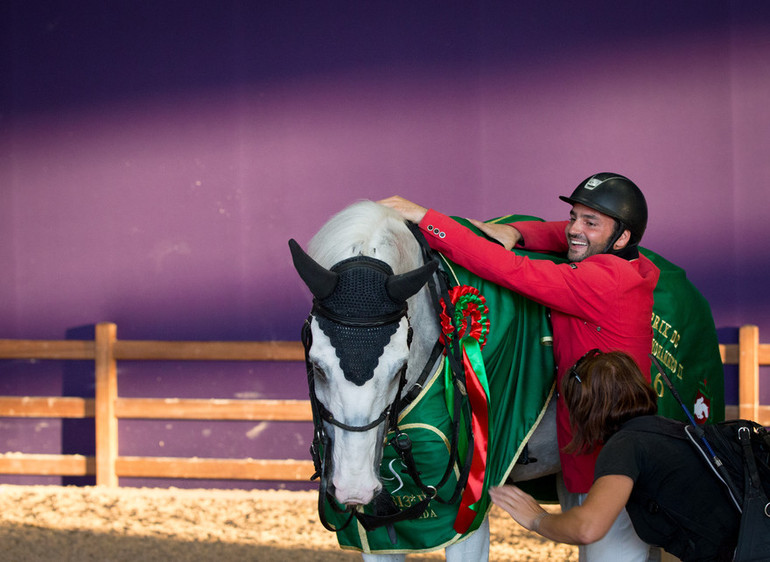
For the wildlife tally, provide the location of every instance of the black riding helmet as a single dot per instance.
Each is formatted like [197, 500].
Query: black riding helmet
[615, 196]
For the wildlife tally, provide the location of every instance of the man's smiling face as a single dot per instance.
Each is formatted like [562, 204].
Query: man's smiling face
[588, 232]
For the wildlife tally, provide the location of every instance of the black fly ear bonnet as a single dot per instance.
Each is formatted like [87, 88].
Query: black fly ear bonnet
[358, 304]
[359, 317]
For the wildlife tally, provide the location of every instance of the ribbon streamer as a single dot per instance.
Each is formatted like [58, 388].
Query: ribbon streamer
[478, 394]
[472, 328]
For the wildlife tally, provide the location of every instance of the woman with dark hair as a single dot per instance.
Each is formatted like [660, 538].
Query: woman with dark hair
[646, 466]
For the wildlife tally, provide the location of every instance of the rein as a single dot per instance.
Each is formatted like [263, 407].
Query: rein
[386, 512]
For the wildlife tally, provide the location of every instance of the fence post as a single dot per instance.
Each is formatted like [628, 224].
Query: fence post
[748, 373]
[106, 422]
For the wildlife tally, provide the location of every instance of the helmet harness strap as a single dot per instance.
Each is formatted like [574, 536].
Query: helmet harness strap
[630, 251]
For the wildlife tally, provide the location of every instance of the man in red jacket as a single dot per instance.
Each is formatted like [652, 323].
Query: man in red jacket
[601, 299]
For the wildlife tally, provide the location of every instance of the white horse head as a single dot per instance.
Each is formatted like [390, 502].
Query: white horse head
[370, 325]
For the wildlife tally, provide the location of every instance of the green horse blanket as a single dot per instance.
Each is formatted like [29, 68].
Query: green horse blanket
[509, 345]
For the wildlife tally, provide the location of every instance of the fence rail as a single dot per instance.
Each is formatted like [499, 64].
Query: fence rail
[107, 408]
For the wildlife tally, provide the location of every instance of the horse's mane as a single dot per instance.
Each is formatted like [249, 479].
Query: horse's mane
[366, 228]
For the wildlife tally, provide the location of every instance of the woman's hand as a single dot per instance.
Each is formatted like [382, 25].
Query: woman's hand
[519, 505]
[506, 234]
[410, 211]
[582, 524]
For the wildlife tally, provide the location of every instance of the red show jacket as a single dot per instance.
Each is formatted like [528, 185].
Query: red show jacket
[602, 302]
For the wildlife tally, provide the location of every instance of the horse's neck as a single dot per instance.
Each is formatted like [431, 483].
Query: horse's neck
[425, 325]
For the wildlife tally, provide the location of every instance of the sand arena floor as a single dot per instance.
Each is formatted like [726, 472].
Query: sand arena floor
[68, 524]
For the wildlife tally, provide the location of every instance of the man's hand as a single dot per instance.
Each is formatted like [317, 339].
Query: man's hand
[410, 211]
[506, 234]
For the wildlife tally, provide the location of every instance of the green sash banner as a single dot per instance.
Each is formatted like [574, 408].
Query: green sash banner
[520, 369]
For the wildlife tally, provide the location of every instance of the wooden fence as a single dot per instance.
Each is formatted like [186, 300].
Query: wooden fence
[107, 408]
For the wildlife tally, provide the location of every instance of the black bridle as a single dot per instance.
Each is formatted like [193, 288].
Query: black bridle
[386, 512]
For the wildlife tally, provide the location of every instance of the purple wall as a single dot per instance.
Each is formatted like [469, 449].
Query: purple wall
[154, 161]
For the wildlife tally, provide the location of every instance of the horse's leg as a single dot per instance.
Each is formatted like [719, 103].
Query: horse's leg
[475, 548]
[542, 445]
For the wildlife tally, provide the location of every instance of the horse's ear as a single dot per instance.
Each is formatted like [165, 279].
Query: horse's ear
[401, 287]
[318, 279]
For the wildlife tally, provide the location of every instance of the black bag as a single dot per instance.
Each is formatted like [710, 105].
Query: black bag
[739, 454]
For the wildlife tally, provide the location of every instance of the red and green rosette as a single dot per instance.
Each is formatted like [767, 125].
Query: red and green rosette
[469, 327]
[470, 315]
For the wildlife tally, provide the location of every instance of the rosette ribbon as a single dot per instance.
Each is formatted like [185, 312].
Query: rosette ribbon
[469, 328]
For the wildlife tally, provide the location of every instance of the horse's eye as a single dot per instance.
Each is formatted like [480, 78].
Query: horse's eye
[319, 373]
